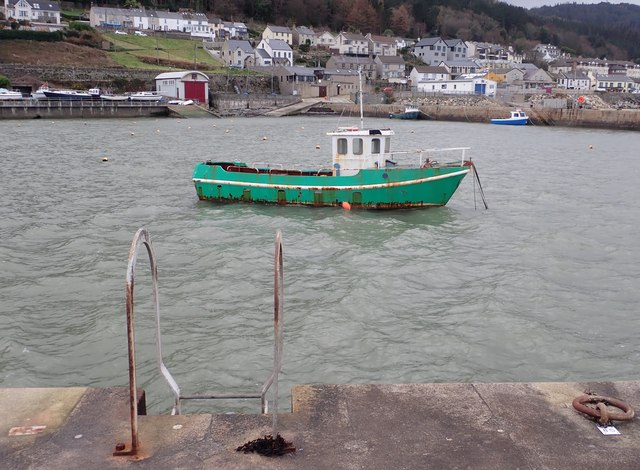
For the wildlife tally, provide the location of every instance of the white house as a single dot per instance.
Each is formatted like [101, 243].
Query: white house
[574, 80]
[548, 52]
[235, 30]
[169, 21]
[326, 40]
[462, 86]
[279, 51]
[352, 44]
[424, 73]
[197, 24]
[459, 67]
[185, 85]
[382, 45]
[614, 83]
[33, 11]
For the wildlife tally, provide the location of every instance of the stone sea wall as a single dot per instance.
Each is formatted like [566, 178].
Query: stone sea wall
[107, 77]
[625, 119]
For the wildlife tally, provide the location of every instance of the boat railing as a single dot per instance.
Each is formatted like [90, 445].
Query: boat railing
[452, 154]
[448, 153]
[142, 237]
[267, 165]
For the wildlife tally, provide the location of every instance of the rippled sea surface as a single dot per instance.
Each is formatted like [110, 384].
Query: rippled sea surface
[543, 286]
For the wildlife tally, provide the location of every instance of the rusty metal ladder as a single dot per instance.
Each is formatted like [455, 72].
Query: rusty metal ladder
[142, 237]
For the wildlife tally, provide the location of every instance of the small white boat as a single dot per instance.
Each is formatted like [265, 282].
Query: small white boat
[39, 93]
[9, 94]
[114, 97]
[145, 96]
[518, 118]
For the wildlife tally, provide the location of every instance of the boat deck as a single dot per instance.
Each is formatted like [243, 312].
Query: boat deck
[480, 426]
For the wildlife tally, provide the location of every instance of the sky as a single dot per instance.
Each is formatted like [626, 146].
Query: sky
[539, 3]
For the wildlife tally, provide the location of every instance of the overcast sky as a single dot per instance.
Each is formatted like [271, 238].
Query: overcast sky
[539, 3]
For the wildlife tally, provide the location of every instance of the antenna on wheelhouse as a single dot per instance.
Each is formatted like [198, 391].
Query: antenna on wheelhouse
[360, 91]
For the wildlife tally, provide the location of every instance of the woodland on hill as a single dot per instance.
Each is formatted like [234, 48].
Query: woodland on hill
[601, 30]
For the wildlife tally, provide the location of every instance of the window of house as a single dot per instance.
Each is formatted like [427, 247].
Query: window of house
[342, 146]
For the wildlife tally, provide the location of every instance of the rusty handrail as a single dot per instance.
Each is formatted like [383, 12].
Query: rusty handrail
[142, 237]
[278, 296]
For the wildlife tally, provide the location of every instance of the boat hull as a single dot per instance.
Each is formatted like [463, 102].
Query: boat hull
[406, 115]
[510, 122]
[387, 188]
[66, 96]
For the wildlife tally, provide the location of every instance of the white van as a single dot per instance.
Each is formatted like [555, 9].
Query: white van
[140, 33]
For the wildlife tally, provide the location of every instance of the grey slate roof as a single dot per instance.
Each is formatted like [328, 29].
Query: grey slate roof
[391, 59]
[428, 41]
[278, 44]
[244, 46]
[279, 29]
[38, 6]
[430, 69]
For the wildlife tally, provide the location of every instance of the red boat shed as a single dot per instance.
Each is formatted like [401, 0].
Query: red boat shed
[185, 85]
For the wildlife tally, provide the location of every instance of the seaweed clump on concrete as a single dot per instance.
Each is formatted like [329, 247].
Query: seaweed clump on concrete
[268, 446]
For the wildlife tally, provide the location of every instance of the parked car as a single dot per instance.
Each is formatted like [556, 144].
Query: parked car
[140, 33]
[120, 32]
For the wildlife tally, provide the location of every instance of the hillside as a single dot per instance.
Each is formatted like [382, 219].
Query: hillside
[53, 53]
[608, 30]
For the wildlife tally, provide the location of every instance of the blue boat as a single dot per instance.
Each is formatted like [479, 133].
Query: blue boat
[518, 118]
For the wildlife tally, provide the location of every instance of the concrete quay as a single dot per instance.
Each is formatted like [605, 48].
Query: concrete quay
[61, 109]
[413, 426]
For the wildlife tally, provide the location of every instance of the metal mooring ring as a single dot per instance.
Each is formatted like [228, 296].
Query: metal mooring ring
[580, 404]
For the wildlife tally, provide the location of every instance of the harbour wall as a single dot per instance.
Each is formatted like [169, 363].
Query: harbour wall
[48, 109]
[624, 119]
[238, 104]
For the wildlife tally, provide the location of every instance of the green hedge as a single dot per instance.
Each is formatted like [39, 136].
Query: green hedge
[31, 35]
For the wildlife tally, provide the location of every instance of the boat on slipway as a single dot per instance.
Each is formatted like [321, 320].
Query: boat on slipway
[364, 173]
[39, 93]
[517, 118]
[73, 95]
[10, 94]
[145, 96]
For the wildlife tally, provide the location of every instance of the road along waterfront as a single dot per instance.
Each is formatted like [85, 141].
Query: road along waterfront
[452, 294]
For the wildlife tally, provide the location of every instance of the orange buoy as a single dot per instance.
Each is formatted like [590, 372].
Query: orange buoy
[346, 206]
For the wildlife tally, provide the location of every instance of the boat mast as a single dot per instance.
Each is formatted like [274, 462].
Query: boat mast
[361, 106]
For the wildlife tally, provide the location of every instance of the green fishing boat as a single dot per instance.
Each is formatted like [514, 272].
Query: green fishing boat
[365, 173]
